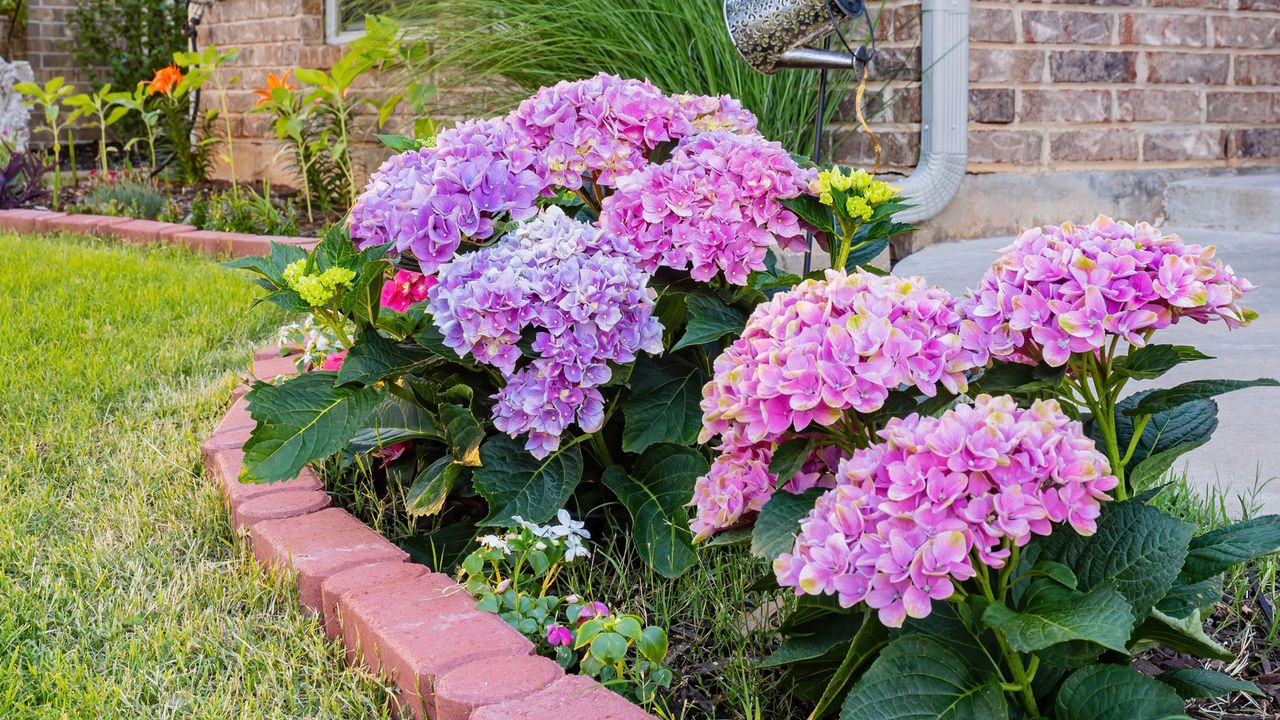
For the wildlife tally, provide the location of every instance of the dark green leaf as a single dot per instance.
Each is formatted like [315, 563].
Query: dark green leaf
[1153, 467]
[300, 420]
[652, 644]
[608, 647]
[809, 209]
[664, 406]
[1191, 423]
[463, 434]
[779, 521]
[1182, 634]
[1186, 598]
[865, 253]
[1152, 361]
[430, 338]
[431, 488]
[516, 483]
[1170, 398]
[709, 319]
[363, 299]
[830, 632]
[919, 677]
[395, 420]
[287, 299]
[1191, 683]
[788, 459]
[1217, 551]
[335, 249]
[1052, 614]
[657, 493]
[872, 637]
[442, 549]
[1115, 692]
[374, 358]
[399, 143]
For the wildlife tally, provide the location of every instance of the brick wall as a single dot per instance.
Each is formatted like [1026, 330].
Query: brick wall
[48, 37]
[1096, 84]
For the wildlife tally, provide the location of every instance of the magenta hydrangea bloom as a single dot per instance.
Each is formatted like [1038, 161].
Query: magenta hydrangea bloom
[427, 201]
[827, 346]
[405, 289]
[740, 483]
[714, 206]
[721, 112]
[1066, 289]
[909, 516]
[582, 296]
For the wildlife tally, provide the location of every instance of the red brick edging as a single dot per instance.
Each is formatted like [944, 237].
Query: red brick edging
[142, 232]
[418, 628]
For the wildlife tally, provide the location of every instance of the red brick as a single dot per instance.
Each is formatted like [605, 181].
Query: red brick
[204, 241]
[1196, 69]
[573, 696]
[226, 467]
[1262, 5]
[992, 25]
[1154, 105]
[991, 105]
[1256, 70]
[1240, 107]
[1057, 106]
[1163, 30]
[491, 681]
[19, 220]
[1184, 144]
[1092, 66]
[418, 631]
[271, 368]
[1066, 27]
[284, 504]
[1093, 144]
[317, 546]
[144, 232]
[1245, 32]
[1198, 4]
[42, 220]
[1014, 147]
[360, 577]
[1255, 143]
[84, 224]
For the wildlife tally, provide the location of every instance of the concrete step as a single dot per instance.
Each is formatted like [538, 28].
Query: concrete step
[1238, 203]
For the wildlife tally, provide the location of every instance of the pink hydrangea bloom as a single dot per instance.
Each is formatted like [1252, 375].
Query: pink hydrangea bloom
[714, 206]
[908, 516]
[739, 483]
[587, 304]
[716, 113]
[405, 289]
[427, 201]
[1059, 290]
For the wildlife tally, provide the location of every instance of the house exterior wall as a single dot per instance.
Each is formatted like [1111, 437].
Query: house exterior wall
[48, 38]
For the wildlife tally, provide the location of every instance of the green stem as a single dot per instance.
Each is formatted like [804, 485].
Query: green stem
[1021, 676]
[602, 451]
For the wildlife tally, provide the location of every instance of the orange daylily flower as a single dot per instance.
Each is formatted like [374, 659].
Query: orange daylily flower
[273, 81]
[165, 81]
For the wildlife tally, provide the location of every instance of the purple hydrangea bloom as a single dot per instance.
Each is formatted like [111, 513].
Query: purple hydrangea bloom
[427, 201]
[714, 206]
[581, 292]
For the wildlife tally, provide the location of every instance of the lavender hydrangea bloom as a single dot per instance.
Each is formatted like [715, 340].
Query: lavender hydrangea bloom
[579, 288]
[426, 201]
[714, 206]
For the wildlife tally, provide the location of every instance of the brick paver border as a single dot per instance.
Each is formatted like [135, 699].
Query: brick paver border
[418, 628]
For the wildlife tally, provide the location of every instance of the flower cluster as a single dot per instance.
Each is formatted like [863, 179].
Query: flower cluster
[427, 201]
[716, 113]
[739, 482]
[319, 289]
[566, 535]
[909, 516]
[316, 340]
[1059, 290]
[405, 289]
[862, 193]
[585, 301]
[714, 205]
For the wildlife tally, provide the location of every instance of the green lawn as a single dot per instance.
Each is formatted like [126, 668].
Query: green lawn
[123, 592]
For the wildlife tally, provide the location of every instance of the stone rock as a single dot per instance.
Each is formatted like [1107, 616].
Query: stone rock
[14, 116]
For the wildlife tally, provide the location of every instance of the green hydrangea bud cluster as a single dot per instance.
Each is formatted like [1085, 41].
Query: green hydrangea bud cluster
[317, 290]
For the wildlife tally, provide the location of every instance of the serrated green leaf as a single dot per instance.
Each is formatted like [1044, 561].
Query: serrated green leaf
[1152, 468]
[809, 209]
[779, 521]
[399, 143]
[1191, 683]
[430, 490]
[709, 319]
[864, 253]
[656, 494]
[664, 406]
[1115, 692]
[514, 482]
[1152, 361]
[1190, 423]
[430, 338]
[1217, 551]
[374, 358]
[1182, 634]
[830, 632]
[788, 459]
[462, 433]
[1137, 547]
[300, 420]
[1185, 598]
[363, 299]
[335, 249]
[1050, 614]
[919, 677]
[1170, 398]
[396, 420]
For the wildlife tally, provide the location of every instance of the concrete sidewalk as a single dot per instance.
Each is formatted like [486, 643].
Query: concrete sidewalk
[1245, 450]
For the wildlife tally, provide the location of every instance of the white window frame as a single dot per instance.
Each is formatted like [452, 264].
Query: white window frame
[334, 35]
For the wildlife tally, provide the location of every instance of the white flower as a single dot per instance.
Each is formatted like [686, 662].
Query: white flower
[494, 542]
[574, 549]
[569, 527]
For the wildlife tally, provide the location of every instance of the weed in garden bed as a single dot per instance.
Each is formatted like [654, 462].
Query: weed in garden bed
[125, 594]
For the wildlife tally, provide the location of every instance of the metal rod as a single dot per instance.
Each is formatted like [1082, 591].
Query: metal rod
[819, 125]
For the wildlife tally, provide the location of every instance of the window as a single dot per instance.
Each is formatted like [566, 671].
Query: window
[344, 19]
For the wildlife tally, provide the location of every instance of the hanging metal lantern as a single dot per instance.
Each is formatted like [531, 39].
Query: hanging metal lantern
[775, 34]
